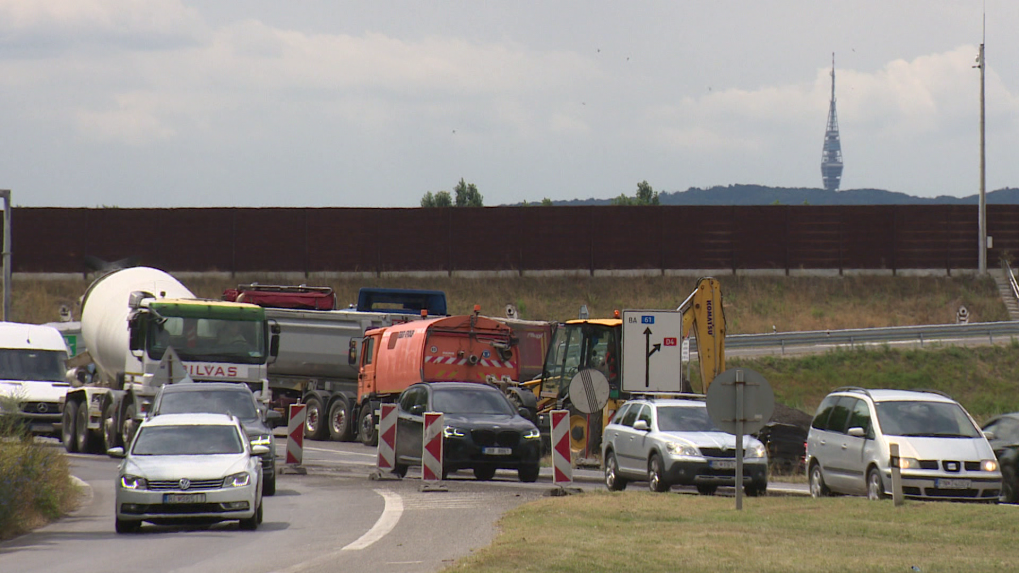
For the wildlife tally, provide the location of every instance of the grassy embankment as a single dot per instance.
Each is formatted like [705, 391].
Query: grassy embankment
[638, 530]
[35, 487]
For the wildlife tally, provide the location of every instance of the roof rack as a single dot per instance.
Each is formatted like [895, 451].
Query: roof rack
[932, 391]
[667, 396]
[863, 391]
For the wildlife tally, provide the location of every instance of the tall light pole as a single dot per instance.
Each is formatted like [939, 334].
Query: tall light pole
[982, 217]
[5, 194]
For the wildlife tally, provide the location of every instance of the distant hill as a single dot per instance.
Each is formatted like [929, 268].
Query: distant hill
[761, 195]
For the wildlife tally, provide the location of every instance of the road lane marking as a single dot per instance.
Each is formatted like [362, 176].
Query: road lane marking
[386, 522]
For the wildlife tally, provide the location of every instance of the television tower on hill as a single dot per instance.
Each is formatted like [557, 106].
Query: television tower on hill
[831, 154]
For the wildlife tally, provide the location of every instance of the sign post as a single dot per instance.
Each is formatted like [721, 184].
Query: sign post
[740, 401]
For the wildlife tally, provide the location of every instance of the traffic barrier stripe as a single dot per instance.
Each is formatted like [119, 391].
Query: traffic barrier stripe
[387, 436]
[295, 434]
[562, 464]
[431, 454]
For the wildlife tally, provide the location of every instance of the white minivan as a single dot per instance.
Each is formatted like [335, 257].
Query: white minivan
[33, 375]
[942, 452]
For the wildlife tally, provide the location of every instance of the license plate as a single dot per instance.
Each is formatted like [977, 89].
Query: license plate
[183, 498]
[497, 451]
[953, 483]
[724, 464]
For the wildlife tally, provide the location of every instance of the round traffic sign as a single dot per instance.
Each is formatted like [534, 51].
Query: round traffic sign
[723, 405]
[589, 391]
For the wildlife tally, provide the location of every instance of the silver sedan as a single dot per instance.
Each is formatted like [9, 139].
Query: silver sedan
[189, 467]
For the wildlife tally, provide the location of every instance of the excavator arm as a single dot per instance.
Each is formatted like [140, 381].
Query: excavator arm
[703, 316]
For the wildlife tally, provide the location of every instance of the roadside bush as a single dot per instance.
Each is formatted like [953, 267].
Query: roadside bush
[35, 484]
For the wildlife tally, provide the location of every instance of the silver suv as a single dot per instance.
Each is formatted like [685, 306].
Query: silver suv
[942, 452]
[670, 442]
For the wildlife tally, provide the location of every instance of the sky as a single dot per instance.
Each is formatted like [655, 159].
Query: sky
[330, 103]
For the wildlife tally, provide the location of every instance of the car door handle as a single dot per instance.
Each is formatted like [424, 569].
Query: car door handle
[823, 442]
[845, 446]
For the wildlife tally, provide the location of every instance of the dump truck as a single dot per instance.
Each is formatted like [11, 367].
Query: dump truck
[131, 319]
[318, 358]
[466, 348]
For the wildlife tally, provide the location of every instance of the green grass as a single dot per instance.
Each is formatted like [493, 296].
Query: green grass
[641, 531]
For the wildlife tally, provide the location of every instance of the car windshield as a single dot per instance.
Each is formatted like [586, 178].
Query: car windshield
[208, 339]
[198, 401]
[32, 365]
[187, 441]
[685, 419]
[471, 401]
[925, 419]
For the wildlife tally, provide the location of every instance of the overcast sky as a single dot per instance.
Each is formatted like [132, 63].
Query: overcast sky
[179, 103]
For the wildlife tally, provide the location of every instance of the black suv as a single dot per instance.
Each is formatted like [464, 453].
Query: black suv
[225, 398]
[482, 430]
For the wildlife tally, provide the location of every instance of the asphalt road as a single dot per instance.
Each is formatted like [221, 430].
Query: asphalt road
[334, 518]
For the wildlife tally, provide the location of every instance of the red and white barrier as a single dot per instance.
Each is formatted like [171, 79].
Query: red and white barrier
[562, 463]
[431, 448]
[295, 434]
[387, 438]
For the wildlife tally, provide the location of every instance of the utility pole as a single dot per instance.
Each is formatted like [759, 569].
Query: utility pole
[982, 217]
[5, 194]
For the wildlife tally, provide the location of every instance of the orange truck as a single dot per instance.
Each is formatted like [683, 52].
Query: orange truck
[466, 348]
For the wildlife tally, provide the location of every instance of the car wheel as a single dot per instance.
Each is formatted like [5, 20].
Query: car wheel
[82, 435]
[269, 485]
[251, 523]
[400, 470]
[314, 425]
[484, 473]
[366, 425]
[67, 426]
[124, 526]
[875, 488]
[817, 486]
[756, 489]
[612, 480]
[1008, 485]
[655, 480]
[707, 489]
[529, 473]
[341, 427]
[109, 427]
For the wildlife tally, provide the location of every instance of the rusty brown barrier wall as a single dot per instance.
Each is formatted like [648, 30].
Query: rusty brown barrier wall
[308, 240]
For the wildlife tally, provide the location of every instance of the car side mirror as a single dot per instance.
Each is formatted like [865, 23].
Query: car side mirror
[259, 450]
[117, 452]
[857, 432]
[641, 426]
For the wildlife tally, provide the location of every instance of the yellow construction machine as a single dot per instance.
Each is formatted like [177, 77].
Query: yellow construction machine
[596, 344]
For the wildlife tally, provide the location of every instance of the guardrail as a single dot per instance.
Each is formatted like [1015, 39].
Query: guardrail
[924, 334]
[1011, 278]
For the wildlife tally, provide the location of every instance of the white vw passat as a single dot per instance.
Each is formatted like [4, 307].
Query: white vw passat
[189, 467]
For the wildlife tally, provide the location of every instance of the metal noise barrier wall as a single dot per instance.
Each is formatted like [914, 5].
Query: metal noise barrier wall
[588, 239]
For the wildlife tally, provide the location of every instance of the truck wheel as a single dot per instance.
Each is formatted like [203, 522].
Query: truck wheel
[67, 421]
[341, 427]
[127, 426]
[366, 425]
[110, 435]
[84, 437]
[314, 424]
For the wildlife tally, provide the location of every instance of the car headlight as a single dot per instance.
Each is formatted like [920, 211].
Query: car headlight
[677, 449]
[909, 464]
[532, 434]
[133, 482]
[262, 440]
[453, 432]
[756, 451]
[989, 465]
[237, 480]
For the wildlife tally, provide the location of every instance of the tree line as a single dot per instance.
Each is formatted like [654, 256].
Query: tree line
[467, 195]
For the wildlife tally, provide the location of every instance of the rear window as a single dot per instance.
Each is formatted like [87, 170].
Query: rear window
[187, 441]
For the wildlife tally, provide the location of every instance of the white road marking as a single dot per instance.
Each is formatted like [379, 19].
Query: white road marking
[386, 522]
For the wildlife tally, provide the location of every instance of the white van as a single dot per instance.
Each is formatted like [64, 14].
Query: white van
[33, 374]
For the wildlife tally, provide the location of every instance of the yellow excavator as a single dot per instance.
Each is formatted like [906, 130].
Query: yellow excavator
[596, 344]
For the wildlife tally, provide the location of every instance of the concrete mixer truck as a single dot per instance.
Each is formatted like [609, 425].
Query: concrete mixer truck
[133, 318]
